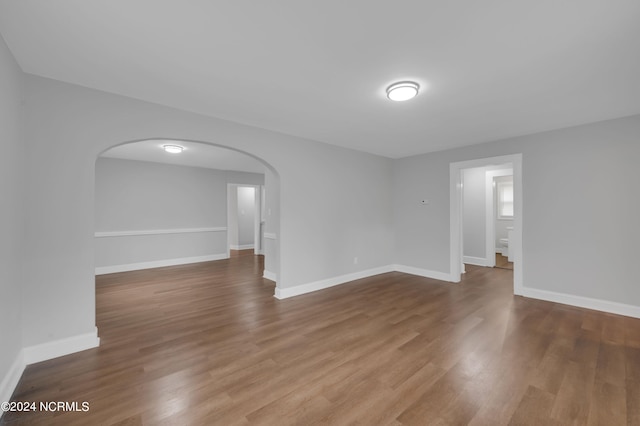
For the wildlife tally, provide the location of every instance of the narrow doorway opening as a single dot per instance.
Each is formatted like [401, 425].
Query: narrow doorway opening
[245, 219]
[481, 214]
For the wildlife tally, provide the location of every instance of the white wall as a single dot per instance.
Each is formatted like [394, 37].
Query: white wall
[144, 196]
[326, 218]
[580, 192]
[11, 219]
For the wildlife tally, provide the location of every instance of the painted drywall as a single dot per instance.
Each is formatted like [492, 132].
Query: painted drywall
[241, 212]
[232, 214]
[271, 228]
[326, 219]
[246, 215]
[146, 196]
[139, 195]
[11, 217]
[473, 213]
[575, 181]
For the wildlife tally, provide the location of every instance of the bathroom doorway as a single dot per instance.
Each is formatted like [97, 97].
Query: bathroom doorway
[480, 209]
[502, 190]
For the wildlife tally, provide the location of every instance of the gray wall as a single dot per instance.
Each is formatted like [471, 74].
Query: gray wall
[333, 216]
[232, 213]
[580, 208]
[12, 210]
[271, 227]
[143, 196]
[242, 212]
[139, 195]
[246, 215]
[474, 212]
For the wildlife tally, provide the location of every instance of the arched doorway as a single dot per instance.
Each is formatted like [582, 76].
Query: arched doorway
[155, 208]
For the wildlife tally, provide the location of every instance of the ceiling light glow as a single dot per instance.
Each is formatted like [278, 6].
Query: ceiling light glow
[403, 91]
[173, 149]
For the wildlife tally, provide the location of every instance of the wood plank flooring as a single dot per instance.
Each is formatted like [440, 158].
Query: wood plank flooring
[208, 344]
[503, 262]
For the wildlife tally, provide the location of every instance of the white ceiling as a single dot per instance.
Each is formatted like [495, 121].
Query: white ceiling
[194, 155]
[318, 69]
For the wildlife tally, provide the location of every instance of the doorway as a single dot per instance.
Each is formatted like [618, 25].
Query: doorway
[514, 162]
[245, 218]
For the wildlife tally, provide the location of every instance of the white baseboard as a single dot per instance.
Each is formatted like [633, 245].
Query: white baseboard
[436, 275]
[11, 379]
[241, 247]
[283, 293]
[269, 275]
[101, 270]
[66, 346]
[44, 352]
[583, 302]
[478, 261]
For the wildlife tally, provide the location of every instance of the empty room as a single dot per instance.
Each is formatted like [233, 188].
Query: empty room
[298, 213]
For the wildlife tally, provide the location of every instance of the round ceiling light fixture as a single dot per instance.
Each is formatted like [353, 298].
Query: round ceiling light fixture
[173, 149]
[403, 91]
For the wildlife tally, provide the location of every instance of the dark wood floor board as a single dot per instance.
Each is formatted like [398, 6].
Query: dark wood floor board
[549, 373]
[572, 403]
[208, 344]
[534, 408]
[608, 404]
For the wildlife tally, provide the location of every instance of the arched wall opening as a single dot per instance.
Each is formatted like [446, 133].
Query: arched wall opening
[179, 212]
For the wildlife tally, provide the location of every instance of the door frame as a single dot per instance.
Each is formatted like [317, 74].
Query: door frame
[455, 210]
[257, 216]
[490, 237]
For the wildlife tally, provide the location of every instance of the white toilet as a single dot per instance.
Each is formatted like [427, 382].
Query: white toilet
[505, 246]
[506, 251]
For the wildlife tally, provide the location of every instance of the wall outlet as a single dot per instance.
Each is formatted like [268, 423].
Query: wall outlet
[355, 260]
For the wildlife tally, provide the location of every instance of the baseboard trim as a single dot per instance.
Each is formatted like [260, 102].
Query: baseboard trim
[101, 270]
[44, 352]
[242, 247]
[478, 261]
[11, 379]
[284, 293]
[66, 346]
[436, 275]
[583, 302]
[269, 275]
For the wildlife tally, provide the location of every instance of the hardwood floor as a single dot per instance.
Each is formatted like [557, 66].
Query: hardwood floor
[503, 262]
[208, 344]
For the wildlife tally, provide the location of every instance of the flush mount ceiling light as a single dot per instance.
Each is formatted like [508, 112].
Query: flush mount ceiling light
[173, 149]
[403, 91]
